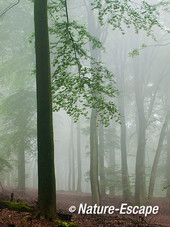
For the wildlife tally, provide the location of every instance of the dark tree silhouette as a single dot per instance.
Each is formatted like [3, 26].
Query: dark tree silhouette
[46, 174]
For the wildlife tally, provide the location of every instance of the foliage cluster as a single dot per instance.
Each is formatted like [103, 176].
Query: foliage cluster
[142, 16]
[79, 83]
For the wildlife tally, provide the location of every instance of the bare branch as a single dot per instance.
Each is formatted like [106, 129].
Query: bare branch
[8, 8]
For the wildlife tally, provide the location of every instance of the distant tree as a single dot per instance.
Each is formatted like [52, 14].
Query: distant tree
[46, 173]
[156, 158]
[18, 132]
[141, 16]
[17, 104]
[168, 161]
[79, 162]
[120, 62]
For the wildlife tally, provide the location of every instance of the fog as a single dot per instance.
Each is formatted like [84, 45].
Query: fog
[135, 146]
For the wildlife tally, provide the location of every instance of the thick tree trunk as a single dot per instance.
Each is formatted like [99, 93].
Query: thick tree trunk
[94, 158]
[79, 168]
[156, 160]
[46, 173]
[101, 160]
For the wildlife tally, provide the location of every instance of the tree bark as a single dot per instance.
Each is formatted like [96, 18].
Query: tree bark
[46, 173]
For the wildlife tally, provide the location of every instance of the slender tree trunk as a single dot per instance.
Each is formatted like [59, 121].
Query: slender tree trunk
[124, 165]
[21, 167]
[112, 167]
[79, 168]
[72, 157]
[101, 160]
[46, 173]
[140, 187]
[93, 120]
[69, 169]
[112, 163]
[94, 158]
[125, 176]
[156, 160]
[69, 164]
[140, 157]
[168, 160]
[120, 74]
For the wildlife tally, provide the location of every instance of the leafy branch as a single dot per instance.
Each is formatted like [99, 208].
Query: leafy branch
[142, 16]
[77, 76]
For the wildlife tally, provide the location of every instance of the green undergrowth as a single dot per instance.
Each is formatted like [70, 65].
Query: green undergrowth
[18, 206]
[23, 207]
[65, 224]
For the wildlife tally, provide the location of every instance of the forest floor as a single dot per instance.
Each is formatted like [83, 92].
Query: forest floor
[66, 199]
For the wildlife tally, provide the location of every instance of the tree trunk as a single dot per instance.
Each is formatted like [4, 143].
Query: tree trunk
[79, 168]
[112, 167]
[94, 158]
[125, 176]
[72, 157]
[101, 160]
[140, 157]
[46, 173]
[124, 165]
[21, 167]
[156, 160]
[69, 164]
[120, 74]
[140, 187]
[168, 161]
[95, 53]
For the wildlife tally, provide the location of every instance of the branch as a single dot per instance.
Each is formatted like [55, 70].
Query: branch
[72, 39]
[9, 7]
